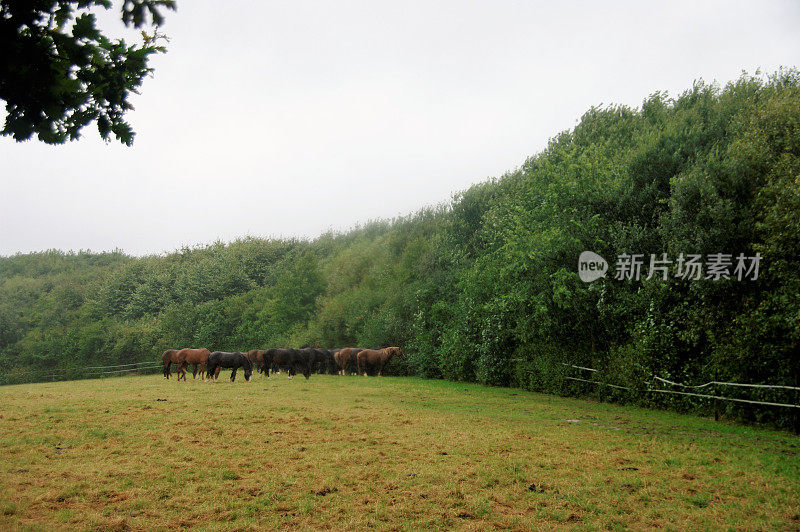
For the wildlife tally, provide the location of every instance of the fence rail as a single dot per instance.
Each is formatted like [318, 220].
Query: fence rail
[715, 397]
[79, 372]
[742, 384]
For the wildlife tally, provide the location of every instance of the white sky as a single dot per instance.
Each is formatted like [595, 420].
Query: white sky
[292, 118]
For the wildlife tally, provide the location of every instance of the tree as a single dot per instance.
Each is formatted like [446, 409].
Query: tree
[58, 72]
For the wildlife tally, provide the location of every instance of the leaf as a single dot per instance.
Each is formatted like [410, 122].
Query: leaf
[84, 27]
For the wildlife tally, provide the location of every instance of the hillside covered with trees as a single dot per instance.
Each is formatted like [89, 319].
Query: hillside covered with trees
[486, 287]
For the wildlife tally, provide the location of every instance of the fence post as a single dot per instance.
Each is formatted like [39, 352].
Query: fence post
[796, 401]
[716, 402]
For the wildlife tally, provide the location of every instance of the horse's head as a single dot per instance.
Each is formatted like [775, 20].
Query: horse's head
[396, 351]
[248, 368]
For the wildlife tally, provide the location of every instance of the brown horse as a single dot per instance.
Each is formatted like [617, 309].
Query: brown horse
[377, 358]
[169, 356]
[198, 357]
[256, 357]
[345, 357]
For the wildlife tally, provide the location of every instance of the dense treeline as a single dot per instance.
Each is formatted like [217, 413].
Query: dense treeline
[486, 287]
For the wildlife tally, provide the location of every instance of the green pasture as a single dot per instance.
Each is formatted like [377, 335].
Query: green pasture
[140, 452]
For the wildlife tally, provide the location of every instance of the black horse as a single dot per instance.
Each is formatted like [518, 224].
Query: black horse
[326, 362]
[291, 360]
[220, 359]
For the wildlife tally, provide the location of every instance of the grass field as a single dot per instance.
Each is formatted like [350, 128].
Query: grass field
[392, 453]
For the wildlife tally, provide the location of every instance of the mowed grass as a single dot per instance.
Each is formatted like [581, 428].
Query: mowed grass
[392, 453]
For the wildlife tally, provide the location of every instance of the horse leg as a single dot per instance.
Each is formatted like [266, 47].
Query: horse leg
[233, 375]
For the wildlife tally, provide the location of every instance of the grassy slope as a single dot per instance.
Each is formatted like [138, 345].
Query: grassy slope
[390, 452]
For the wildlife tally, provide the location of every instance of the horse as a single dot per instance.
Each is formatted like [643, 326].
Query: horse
[197, 357]
[256, 357]
[377, 358]
[328, 362]
[220, 359]
[169, 356]
[345, 357]
[312, 355]
[289, 359]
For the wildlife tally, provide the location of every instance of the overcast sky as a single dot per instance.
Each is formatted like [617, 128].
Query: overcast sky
[278, 119]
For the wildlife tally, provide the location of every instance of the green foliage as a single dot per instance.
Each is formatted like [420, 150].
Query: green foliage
[60, 73]
[485, 288]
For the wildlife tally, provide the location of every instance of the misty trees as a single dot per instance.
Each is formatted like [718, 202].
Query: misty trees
[486, 289]
[59, 72]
